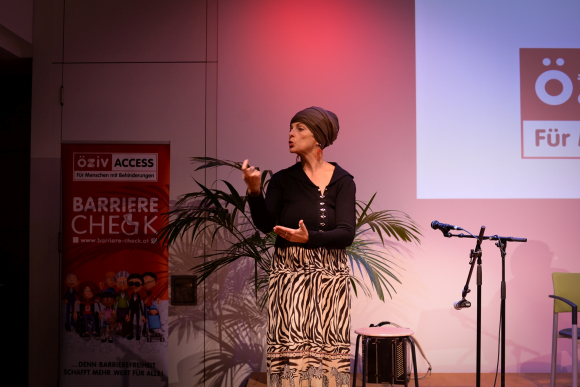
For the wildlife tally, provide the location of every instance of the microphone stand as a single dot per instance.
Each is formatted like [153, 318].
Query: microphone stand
[476, 254]
[502, 244]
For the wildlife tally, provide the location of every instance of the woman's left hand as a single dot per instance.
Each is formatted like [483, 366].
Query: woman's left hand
[299, 235]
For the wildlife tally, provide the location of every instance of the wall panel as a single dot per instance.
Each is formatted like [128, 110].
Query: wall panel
[139, 102]
[135, 31]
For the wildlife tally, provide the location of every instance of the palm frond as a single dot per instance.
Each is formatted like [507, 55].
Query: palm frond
[211, 215]
[210, 162]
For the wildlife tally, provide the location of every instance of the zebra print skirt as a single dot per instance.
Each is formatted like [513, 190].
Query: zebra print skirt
[308, 318]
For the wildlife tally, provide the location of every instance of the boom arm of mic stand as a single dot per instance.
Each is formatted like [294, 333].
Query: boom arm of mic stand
[474, 254]
[479, 239]
[491, 238]
[466, 287]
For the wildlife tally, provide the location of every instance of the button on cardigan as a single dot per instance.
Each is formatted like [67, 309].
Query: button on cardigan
[291, 196]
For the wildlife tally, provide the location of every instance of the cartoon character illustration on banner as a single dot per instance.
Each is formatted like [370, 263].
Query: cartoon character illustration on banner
[87, 300]
[70, 298]
[149, 282]
[109, 282]
[136, 312]
[154, 323]
[122, 301]
[107, 315]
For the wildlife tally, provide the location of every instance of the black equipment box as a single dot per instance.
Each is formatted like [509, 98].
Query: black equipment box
[387, 362]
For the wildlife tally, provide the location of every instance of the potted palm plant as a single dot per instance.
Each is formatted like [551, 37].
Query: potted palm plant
[223, 215]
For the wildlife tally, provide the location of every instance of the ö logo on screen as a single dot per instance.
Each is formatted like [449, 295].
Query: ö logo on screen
[550, 102]
[114, 166]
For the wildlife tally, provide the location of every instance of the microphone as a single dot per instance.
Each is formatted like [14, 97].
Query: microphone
[461, 304]
[435, 225]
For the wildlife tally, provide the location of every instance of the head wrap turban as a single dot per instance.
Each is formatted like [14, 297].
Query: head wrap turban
[322, 123]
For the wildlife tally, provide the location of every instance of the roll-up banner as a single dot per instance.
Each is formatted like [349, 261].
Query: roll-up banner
[114, 274]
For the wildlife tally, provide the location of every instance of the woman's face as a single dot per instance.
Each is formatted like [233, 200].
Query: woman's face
[301, 139]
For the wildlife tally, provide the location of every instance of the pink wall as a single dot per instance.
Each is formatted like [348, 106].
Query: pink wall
[358, 61]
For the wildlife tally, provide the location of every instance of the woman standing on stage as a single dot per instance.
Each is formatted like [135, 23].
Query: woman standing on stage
[311, 206]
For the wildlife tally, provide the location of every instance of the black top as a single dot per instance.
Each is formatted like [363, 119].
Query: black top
[291, 196]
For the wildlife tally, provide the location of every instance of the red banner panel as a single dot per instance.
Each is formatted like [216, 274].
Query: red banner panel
[115, 275]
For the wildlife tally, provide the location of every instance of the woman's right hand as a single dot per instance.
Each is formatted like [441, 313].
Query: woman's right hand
[252, 177]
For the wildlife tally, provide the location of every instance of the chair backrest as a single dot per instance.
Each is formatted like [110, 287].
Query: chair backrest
[566, 285]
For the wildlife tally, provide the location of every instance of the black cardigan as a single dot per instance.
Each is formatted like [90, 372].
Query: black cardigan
[291, 196]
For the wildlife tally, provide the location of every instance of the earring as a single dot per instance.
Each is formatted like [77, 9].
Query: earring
[319, 153]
